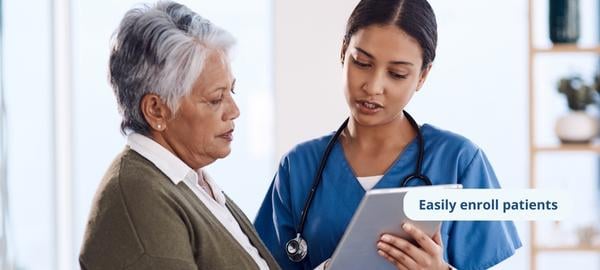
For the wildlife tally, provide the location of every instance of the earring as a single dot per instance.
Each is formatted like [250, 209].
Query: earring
[159, 126]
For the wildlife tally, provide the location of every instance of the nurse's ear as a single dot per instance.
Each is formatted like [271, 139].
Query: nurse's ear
[423, 76]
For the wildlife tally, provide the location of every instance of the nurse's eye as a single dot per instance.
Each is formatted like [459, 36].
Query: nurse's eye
[360, 64]
[397, 76]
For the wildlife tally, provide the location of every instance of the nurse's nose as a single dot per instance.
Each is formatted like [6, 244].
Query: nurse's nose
[374, 85]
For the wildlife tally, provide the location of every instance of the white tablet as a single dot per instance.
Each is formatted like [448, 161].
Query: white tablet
[380, 211]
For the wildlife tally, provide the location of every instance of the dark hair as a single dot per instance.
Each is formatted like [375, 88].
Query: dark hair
[415, 17]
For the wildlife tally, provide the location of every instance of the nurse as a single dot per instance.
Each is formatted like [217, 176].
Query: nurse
[386, 55]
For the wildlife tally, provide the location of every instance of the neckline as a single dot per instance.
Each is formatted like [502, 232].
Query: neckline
[400, 158]
[370, 177]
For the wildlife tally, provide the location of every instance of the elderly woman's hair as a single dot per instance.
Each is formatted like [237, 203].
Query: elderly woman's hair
[160, 49]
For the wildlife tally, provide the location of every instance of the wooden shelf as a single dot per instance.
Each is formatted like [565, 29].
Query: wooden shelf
[591, 50]
[594, 148]
[570, 48]
[567, 248]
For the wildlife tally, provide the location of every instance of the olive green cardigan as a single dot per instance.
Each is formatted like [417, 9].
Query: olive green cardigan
[141, 220]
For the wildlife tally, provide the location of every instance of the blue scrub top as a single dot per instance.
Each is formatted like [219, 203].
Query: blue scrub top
[449, 159]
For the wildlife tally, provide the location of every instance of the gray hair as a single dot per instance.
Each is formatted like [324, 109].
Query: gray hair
[160, 49]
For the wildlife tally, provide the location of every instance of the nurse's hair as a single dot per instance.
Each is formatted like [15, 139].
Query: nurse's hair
[160, 49]
[415, 17]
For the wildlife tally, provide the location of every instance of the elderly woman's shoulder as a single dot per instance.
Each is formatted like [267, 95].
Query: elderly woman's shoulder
[130, 173]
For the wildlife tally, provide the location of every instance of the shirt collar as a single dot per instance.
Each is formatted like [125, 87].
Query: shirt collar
[217, 191]
[162, 158]
[168, 163]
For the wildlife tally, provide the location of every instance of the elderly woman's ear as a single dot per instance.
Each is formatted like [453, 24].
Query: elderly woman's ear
[155, 111]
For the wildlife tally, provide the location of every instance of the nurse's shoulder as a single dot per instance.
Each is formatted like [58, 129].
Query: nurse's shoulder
[308, 152]
[297, 167]
[449, 144]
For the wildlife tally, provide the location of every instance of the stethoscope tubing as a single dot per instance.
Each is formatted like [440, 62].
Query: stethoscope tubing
[417, 175]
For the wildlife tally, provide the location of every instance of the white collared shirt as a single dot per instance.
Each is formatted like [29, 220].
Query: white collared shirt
[178, 171]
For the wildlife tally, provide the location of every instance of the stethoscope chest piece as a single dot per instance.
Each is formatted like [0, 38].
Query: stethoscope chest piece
[296, 248]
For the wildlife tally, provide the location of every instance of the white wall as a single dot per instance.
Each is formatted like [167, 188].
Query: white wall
[308, 97]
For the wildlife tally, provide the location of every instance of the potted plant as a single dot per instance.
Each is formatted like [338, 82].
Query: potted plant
[578, 126]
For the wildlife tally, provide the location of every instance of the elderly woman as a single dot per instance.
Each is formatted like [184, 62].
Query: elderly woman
[156, 208]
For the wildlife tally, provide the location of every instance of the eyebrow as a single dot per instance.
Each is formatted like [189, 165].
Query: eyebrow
[225, 87]
[391, 62]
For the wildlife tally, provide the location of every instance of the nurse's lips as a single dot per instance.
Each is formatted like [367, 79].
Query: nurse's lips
[228, 136]
[368, 107]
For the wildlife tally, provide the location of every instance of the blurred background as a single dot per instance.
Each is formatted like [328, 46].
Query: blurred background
[517, 77]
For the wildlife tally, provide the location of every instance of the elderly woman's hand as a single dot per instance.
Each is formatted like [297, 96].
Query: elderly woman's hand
[404, 255]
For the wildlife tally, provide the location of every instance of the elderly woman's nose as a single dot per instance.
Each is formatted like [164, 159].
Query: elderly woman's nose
[233, 111]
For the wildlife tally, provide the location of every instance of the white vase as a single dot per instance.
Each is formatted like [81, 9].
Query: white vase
[576, 127]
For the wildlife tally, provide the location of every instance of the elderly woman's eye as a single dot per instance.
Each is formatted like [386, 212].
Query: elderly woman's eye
[216, 101]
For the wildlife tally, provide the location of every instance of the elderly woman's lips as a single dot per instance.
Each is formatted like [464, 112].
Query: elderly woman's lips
[228, 136]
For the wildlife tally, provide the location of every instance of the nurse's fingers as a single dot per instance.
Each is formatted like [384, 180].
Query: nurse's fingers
[437, 238]
[395, 256]
[407, 248]
[423, 239]
[414, 252]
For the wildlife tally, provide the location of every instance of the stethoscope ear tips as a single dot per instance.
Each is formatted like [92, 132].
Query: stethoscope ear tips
[296, 249]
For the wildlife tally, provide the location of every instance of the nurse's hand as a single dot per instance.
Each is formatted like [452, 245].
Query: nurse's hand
[405, 255]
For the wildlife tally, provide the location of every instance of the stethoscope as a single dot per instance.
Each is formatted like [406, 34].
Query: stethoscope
[297, 248]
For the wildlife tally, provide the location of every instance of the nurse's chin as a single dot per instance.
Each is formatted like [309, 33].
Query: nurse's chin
[370, 119]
